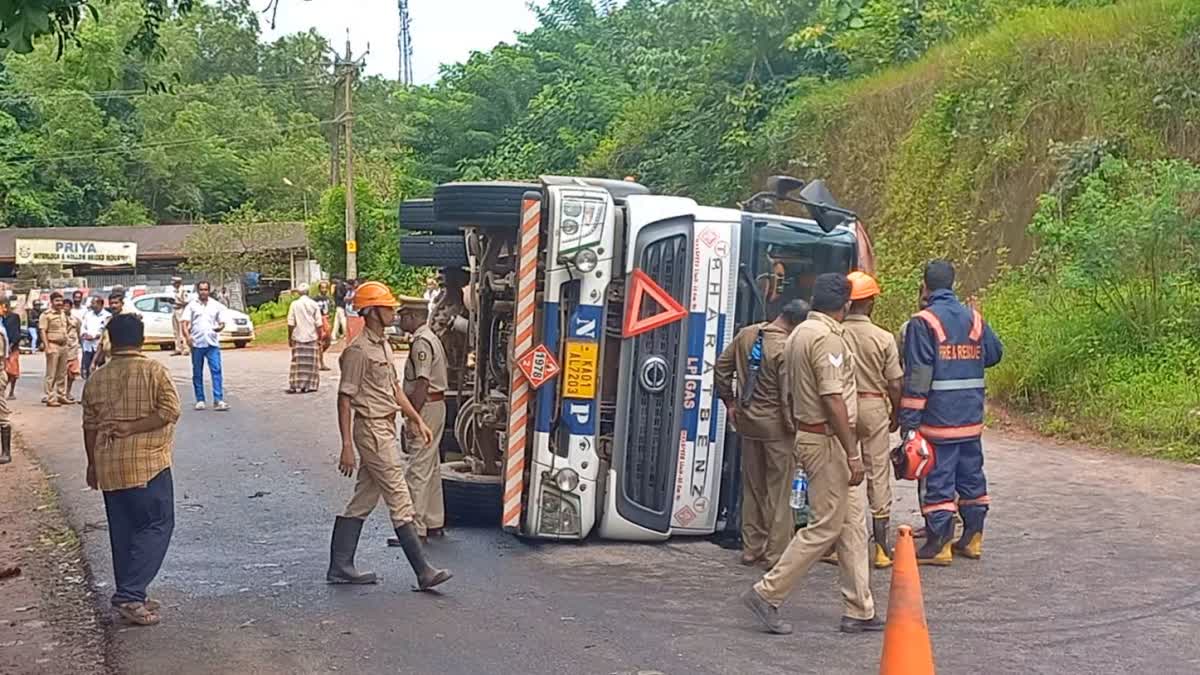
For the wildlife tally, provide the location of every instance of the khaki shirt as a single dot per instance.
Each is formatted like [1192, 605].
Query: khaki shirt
[817, 362]
[368, 376]
[129, 388]
[426, 359]
[54, 328]
[181, 301]
[761, 418]
[876, 359]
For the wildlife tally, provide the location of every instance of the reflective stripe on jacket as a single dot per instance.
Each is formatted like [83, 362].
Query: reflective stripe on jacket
[946, 349]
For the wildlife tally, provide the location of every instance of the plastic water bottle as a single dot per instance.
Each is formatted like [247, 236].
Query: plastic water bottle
[799, 490]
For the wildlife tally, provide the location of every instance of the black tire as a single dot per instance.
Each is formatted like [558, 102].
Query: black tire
[417, 215]
[471, 499]
[483, 205]
[433, 250]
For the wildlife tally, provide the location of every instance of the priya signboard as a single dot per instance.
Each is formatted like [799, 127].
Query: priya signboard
[75, 252]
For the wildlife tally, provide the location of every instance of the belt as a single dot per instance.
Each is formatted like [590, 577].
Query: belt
[822, 429]
[435, 396]
[870, 394]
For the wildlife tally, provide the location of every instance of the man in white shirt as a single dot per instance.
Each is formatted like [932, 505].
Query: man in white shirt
[304, 326]
[203, 321]
[95, 319]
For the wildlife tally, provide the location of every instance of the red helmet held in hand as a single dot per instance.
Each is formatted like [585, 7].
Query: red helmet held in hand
[914, 458]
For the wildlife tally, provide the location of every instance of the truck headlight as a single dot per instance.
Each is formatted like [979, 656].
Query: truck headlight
[586, 260]
[560, 513]
[570, 227]
[566, 480]
[586, 214]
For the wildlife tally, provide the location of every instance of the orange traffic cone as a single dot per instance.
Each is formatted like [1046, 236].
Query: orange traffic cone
[906, 646]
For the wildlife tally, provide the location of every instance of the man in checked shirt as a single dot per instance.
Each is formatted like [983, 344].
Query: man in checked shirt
[130, 407]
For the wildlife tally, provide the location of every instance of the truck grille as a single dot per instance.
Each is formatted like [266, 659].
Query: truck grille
[651, 442]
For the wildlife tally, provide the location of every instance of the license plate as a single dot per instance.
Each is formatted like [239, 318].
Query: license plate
[580, 371]
[243, 331]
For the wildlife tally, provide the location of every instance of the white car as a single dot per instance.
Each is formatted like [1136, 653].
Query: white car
[156, 310]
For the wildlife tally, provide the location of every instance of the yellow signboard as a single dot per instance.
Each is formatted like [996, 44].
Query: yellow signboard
[351, 246]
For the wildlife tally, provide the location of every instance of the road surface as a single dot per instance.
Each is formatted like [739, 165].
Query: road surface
[1089, 568]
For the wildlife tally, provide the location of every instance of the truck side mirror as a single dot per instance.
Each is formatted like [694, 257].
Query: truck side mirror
[780, 186]
[823, 207]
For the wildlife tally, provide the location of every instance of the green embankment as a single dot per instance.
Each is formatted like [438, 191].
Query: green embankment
[952, 156]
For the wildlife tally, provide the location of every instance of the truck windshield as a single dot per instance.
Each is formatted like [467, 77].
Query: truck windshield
[786, 259]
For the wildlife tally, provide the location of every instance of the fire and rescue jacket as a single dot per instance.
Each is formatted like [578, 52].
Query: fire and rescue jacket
[946, 349]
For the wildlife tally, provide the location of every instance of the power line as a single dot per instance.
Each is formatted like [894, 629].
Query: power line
[99, 152]
[186, 90]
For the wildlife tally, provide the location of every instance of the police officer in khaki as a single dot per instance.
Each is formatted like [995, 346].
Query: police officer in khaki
[54, 326]
[819, 383]
[369, 396]
[180, 298]
[752, 363]
[879, 375]
[425, 386]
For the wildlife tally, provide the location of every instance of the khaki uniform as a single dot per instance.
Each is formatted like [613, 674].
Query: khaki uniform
[54, 327]
[877, 362]
[819, 362]
[369, 379]
[181, 339]
[768, 461]
[427, 360]
[5, 411]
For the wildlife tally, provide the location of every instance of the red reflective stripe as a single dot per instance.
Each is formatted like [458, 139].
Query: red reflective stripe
[978, 501]
[934, 323]
[950, 433]
[940, 506]
[913, 403]
[976, 326]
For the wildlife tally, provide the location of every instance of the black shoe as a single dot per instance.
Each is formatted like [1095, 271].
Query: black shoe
[341, 553]
[427, 575]
[766, 613]
[935, 551]
[852, 625]
[5, 444]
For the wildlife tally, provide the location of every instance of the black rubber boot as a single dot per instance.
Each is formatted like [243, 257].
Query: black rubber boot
[935, 551]
[5, 444]
[341, 553]
[427, 575]
[881, 551]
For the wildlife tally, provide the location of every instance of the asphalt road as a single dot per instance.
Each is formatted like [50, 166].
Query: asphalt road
[1089, 568]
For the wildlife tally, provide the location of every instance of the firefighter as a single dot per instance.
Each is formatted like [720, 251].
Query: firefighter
[821, 397]
[369, 396]
[425, 384]
[946, 349]
[878, 374]
[753, 360]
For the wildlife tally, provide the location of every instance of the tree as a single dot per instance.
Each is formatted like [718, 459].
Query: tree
[22, 21]
[225, 252]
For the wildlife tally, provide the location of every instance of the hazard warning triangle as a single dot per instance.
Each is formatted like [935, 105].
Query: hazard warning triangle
[641, 287]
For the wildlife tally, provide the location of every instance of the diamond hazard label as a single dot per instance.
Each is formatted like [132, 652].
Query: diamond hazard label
[709, 237]
[685, 516]
[538, 366]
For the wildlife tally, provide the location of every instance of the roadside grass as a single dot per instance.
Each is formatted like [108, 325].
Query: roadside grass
[271, 333]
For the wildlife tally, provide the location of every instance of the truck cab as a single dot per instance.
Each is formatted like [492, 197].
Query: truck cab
[591, 314]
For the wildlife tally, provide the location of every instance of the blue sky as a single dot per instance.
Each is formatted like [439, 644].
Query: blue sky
[444, 31]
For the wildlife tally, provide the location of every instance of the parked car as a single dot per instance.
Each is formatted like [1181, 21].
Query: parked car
[156, 310]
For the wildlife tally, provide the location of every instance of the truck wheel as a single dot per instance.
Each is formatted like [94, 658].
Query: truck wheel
[433, 250]
[417, 215]
[483, 205]
[470, 499]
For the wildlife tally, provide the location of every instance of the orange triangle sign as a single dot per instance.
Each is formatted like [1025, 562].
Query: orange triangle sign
[641, 286]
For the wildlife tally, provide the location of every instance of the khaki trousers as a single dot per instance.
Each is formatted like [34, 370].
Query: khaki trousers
[424, 472]
[55, 384]
[838, 512]
[181, 342]
[767, 521]
[5, 411]
[378, 473]
[873, 422]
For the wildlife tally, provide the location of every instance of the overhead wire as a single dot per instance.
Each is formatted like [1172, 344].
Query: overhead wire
[185, 90]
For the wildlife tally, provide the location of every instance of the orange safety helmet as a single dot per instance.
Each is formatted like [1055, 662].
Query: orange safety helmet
[914, 458]
[373, 294]
[862, 285]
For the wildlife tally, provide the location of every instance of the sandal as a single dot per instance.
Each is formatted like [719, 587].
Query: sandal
[137, 613]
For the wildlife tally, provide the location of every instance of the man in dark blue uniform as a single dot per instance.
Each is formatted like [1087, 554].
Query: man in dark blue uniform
[947, 346]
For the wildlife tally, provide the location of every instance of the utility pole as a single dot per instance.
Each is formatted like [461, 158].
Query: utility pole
[405, 44]
[346, 68]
